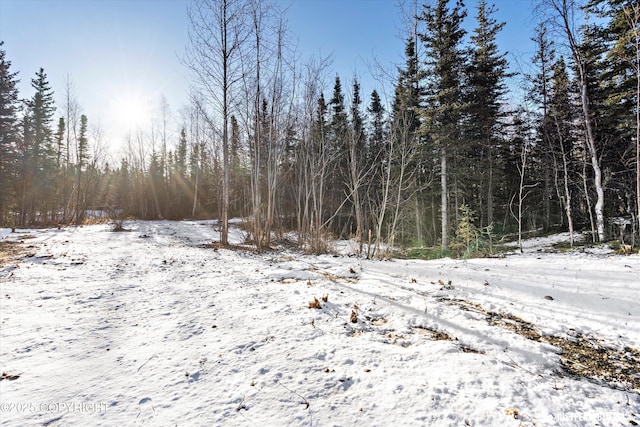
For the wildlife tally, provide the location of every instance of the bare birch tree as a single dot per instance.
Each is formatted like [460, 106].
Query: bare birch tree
[565, 11]
[217, 33]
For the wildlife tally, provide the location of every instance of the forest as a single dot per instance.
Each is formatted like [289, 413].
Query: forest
[448, 160]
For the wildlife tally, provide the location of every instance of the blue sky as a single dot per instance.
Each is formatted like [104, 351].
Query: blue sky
[117, 50]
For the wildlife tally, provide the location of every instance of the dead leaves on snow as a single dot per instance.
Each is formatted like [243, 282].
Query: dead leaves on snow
[315, 303]
[10, 377]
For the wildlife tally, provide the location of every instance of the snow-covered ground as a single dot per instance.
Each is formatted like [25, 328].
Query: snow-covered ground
[157, 327]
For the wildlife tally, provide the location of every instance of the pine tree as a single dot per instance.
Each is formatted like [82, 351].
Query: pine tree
[9, 134]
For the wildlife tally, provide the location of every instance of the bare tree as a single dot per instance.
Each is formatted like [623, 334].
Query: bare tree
[311, 159]
[218, 31]
[565, 10]
[72, 115]
[265, 111]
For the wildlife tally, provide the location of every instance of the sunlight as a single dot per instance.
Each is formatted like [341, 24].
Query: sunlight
[130, 111]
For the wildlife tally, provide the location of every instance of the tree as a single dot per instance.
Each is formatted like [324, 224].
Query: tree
[539, 94]
[632, 17]
[36, 151]
[403, 150]
[622, 32]
[218, 30]
[339, 154]
[486, 72]
[565, 11]
[357, 171]
[9, 132]
[376, 152]
[561, 118]
[72, 116]
[445, 60]
[82, 156]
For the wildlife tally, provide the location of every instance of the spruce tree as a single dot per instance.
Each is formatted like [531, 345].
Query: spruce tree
[357, 161]
[405, 148]
[561, 115]
[338, 151]
[82, 156]
[376, 134]
[539, 93]
[443, 36]
[376, 154]
[618, 28]
[9, 133]
[486, 75]
[36, 152]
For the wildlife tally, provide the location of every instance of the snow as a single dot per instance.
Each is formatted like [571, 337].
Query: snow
[156, 327]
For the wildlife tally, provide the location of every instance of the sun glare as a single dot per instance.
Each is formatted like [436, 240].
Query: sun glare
[131, 112]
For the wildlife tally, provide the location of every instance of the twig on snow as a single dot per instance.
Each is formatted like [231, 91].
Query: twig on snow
[304, 402]
[141, 366]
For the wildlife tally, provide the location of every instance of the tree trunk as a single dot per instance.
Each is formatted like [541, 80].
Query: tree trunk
[490, 189]
[563, 8]
[195, 192]
[443, 185]
[586, 196]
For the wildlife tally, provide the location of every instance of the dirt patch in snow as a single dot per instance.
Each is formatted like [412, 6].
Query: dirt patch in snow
[333, 277]
[9, 251]
[581, 355]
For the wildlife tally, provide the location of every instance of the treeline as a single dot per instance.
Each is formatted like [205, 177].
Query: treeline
[265, 139]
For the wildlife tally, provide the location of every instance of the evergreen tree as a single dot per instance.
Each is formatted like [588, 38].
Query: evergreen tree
[614, 39]
[357, 161]
[405, 150]
[602, 132]
[82, 156]
[357, 123]
[181, 154]
[486, 73]
[9, 134]
[539, 94]
[36, 152]
[155, 188]
[406, 103]
[376, 134]
[443, 37]
[123, 200]
[59, 141]
[561, 116]
[338, 151]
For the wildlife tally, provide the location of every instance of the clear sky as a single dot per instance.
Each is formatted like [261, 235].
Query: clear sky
[123, 55]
